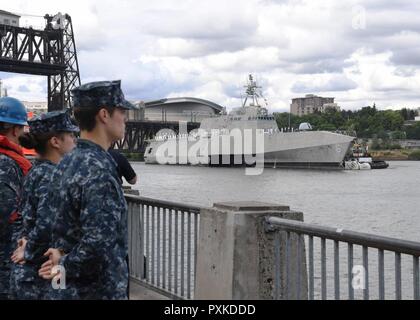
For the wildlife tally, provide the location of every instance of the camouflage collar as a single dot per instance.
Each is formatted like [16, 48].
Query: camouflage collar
[38, 162]
[88, 144]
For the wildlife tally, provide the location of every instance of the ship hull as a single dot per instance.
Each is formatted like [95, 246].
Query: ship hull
[315, 149]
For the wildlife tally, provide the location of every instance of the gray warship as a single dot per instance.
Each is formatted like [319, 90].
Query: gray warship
[220, 141]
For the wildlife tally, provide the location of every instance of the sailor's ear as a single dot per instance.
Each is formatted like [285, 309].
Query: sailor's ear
[104, 115]
[55, 142]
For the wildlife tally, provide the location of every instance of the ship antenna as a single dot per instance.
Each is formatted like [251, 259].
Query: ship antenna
[252, 91]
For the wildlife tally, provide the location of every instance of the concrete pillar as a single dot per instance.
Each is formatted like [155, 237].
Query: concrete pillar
[235, 256]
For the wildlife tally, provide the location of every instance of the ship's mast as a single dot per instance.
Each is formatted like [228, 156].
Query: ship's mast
[253, 92]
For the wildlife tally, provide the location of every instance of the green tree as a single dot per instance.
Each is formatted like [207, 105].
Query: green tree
[408, 114]
[415, 155]
[413, 131]
[398, 135]
[282, 120]
[376, 145]
[392, 120]
[366, 122]
[334, 117]
[327, 127]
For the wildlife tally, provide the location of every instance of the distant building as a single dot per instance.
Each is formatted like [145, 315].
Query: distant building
[36, 108]
[136, 114]
[312, 103]
[9, 18]
[171, 109]
[180, 109]
[416, 120]
[409, 144]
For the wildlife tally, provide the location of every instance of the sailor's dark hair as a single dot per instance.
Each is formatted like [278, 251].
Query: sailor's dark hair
[38, 141]
[85, 117]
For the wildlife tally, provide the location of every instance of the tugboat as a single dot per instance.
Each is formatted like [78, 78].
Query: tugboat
[360, 159]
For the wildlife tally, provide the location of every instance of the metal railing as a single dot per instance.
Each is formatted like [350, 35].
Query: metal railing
[163, 239]
[357, 275]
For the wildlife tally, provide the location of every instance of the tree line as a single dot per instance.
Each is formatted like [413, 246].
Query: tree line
[368, 122]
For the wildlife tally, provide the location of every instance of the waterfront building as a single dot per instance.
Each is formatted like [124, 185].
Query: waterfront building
[181, 109]
[312, 103]
[9, 18]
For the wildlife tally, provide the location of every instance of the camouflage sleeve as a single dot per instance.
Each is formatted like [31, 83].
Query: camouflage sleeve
[8, 200]
[28, 207]
[10, 185]
[40, 235]
[100, 217]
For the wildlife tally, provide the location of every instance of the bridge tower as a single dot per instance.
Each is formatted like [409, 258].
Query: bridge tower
[60, 85]
[50, 52]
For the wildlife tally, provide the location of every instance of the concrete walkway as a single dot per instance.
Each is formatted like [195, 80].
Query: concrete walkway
[138, 292]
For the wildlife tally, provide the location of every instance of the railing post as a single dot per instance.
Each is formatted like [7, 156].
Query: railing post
[237, 254]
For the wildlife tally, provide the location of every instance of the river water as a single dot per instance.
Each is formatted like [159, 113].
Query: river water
[385, 202]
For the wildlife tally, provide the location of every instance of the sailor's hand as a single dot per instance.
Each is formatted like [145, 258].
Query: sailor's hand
[19, 254]
[46, 271]
[22, 242]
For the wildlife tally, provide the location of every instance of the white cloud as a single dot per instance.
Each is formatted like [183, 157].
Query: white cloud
[325, 84]
[27, 88]
[207, 48]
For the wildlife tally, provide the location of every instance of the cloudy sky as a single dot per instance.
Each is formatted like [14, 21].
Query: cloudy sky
[359, 52]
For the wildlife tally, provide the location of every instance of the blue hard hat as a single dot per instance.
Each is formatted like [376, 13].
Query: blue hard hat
[13, 111]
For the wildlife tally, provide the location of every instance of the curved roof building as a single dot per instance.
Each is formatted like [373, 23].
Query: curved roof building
[180, 109]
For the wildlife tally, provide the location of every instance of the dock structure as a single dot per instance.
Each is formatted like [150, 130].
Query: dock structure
[137, 132]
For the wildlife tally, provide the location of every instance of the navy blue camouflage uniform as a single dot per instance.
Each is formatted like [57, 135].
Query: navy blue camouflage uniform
[11, 180]
[25, 281]
[90, 227]
[36, 228]
[91, 224]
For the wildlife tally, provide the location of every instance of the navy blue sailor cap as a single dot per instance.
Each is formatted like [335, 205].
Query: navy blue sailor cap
[101, 94]
[55, 121]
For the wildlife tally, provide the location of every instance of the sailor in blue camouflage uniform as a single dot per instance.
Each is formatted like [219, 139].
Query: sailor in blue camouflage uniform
[52, 136]
[89, 234]
[13, 167]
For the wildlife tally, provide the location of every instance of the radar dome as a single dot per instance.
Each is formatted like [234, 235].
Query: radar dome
[305, 126]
